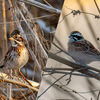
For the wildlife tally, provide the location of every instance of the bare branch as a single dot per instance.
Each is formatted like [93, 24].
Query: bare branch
[76, 12]
[64, 88]
[53, 69]
[61, 72]
[42, 6]
[4, 29]
[76, 66]
[23, 33]
[32, 32]
[94, 69]
[51, 86]
[97, 6]
[18, 83]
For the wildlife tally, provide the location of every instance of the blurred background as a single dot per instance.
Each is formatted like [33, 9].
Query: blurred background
[37, 21]
[46, 24]
[77, 15]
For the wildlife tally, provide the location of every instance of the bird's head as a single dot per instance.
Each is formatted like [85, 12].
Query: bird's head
[16, 38]
[75, 36]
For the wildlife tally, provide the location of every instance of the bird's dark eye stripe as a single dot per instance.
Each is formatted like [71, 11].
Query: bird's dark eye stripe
[78, 37]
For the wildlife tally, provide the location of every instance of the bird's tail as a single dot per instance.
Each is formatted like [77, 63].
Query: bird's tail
[2, 66]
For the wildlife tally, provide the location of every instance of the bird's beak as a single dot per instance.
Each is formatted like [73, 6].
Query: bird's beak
[11, 38]
[69, 36]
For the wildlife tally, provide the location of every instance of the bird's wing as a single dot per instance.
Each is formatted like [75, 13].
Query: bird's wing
[87, 47]
[12, 53]
[8, 55]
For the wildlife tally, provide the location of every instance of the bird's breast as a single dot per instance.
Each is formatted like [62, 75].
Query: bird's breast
[23, 57]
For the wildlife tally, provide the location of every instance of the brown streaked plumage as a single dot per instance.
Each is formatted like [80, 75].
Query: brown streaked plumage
[17, 56]
[82, 49]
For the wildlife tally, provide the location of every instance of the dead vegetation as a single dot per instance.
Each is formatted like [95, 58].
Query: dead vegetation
[36, 24]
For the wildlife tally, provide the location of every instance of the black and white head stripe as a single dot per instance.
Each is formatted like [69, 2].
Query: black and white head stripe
[76, 35]
[15, 32]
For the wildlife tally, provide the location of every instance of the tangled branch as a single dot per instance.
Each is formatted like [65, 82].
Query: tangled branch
[78, 12]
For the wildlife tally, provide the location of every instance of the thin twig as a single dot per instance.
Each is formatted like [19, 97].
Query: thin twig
[86, 71]
[19, 83]
[28, 19]
[61, 72]
[46, 69]
[71, 73]
[32, 32]
[75, 12]
[23, 33]
[42, 6]
[64, 17]
[65, 52]
[50, 86]
[48, 3]
[92, 68]
[97, 6]
[98, 96]
[20, 91]
[53, 84]
[71, 91]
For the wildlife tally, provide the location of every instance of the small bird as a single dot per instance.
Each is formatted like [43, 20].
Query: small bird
[17, 56]
[81, 49]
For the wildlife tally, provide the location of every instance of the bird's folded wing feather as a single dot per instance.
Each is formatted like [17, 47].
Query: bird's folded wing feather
[12, 52]
[86, 47]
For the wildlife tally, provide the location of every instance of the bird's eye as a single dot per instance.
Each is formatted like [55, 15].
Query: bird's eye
[15, 36]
